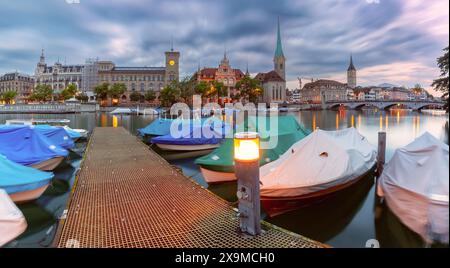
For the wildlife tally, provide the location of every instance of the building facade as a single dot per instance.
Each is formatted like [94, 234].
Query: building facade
[223, 73]
[23, 84]
[140, 79]
[322, 90]
[274, 82]
[351, 74]
[58, 76]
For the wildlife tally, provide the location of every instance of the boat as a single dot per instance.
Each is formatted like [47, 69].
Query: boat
[22, 183]
[434, 111]
[76, 133]
[29, 122]
[57, 135]
[218, 166]
[122, 111]
[415, 187]
[202, 137]
[28, 147]
[149, 111]
[12, 221]
[315, 167]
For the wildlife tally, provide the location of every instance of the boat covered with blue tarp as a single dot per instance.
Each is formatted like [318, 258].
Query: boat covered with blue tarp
[27, 146]
[194, 137]
[57, 135]
[22, 183]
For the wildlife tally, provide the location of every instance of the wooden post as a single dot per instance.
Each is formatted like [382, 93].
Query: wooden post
[381, 152]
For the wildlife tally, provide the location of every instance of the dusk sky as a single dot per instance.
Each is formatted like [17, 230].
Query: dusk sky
[392, 41]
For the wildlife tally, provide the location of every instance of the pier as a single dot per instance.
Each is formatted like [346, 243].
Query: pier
[126, 195]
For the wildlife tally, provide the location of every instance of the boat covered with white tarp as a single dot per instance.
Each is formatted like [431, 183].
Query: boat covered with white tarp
[12, 221]
[415, 186]
[314, 167]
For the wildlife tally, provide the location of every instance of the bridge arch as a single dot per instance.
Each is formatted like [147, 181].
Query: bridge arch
[428, 105]
[337, 105]
[365, 104]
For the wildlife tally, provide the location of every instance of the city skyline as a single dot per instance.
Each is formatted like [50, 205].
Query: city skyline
[391, 41]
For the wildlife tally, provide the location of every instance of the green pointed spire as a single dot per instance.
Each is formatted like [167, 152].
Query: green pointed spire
[279, 49]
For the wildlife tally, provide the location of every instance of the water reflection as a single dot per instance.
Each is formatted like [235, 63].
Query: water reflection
[346, 220]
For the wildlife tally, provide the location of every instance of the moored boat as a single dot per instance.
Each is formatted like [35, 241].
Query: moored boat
[315, 167]
[415, 186]
[204, 136]
[22, 183]
[28, 147]
[122, 111]
[57, 135]
[12, 221]
[218, 166]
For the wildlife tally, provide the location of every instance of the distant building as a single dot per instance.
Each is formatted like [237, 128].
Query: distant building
[274, 87]
[23, 84]
[140, 79]
[58, 76]
[351, 74]
[296, 96]
[382, 94]
[223, 73]
[322, 90]
[274, 82]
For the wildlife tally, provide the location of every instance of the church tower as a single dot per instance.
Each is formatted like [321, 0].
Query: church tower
[279, 60]
[351, 74]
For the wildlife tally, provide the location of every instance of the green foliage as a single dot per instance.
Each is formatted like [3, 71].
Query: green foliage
[169, 94]
[42, 93]
[101, 91]
[135, 96]
[8, 96]
[441, 84]
[250, 89]
[186, 88]
[70, 91]
[82, 97]
[202, 89]
[150, 96]
[117, 90]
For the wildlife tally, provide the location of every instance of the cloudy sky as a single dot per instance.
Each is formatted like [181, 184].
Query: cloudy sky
[392, 41]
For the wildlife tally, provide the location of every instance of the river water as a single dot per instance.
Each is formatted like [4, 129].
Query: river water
[349, 219]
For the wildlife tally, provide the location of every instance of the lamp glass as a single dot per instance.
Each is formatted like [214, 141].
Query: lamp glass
[246, 146]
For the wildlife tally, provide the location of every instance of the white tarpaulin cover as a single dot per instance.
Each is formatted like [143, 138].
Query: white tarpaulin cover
[415, 186]
[12, 221]
[321, 160]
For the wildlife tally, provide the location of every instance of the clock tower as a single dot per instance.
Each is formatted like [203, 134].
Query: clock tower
[172, 65]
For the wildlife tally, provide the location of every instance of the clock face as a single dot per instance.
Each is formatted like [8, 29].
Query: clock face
[171, 62]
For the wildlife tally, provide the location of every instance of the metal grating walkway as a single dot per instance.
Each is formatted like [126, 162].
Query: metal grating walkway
[128, 196]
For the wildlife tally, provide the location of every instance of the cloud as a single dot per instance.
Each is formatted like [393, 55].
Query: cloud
[394, 41]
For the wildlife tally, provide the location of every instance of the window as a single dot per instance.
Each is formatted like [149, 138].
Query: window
[133, 86]
[142, 87]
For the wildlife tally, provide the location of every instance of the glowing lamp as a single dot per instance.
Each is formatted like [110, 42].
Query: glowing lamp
[246, 146]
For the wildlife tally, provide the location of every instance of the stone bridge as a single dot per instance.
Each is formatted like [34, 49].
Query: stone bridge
[414, 105]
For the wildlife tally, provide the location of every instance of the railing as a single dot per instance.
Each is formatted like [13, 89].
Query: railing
[49, 108]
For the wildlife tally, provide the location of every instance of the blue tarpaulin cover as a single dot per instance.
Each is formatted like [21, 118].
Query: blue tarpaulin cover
[158, 127]
[72, 133]
[58, 135]
[15, 178]
[26, 146]
[206, 133]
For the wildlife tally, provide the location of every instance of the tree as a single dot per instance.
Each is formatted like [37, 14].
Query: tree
[441, 84]
[150, 96]
[69, 92]
[135, 96]
[8, 96]
[101, 91]
[42, 93]
[201, 88]
[169, 95]
[117, 90]
[82, 97]
[187, 89]
[249, 88]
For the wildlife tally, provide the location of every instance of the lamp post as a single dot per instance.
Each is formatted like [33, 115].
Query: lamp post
[246, 158]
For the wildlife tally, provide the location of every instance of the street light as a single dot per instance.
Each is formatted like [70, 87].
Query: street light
[246, 158]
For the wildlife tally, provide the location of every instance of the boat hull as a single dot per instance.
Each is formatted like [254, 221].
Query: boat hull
[214, 177]
[49, 164]
[30, 195]
[275, 206]
[197, 147]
